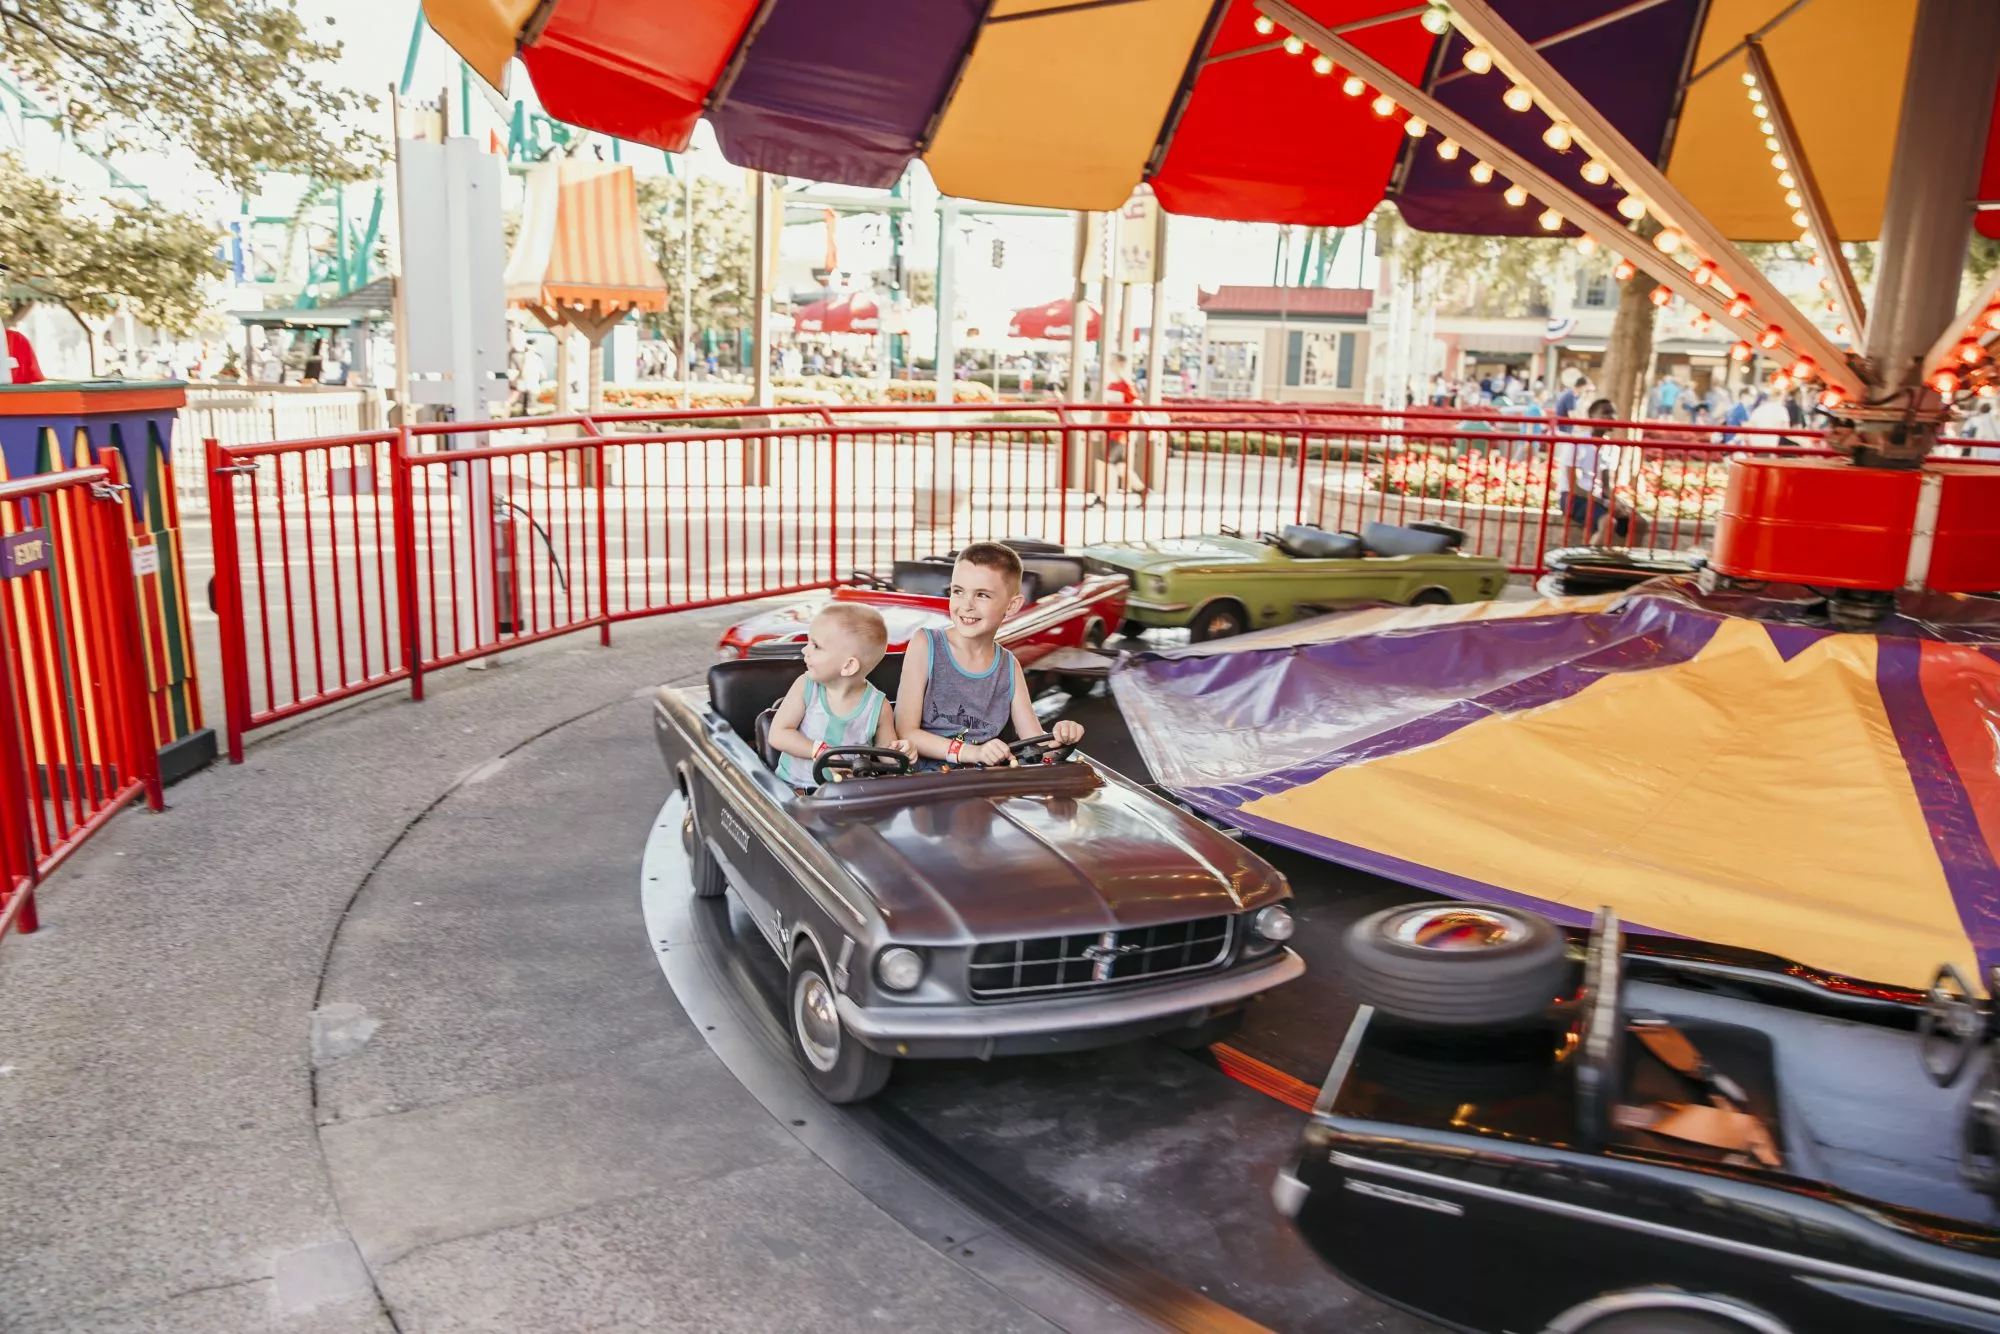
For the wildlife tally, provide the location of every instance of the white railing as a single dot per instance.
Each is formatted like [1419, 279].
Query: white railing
[256, 414]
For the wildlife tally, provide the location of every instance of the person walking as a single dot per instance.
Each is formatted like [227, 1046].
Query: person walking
[1118, 388]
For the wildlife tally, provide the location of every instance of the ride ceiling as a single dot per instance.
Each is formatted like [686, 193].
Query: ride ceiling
[1709, 767]
[1072, 103]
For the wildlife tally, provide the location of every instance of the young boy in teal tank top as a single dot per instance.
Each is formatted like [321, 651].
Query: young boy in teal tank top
[959, 687]
[833, 704]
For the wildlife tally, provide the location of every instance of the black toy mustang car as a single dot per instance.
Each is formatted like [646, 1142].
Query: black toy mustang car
[1529, 1131]
[969, 913]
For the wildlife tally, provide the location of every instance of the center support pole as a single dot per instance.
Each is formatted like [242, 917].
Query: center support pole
[1927, 219]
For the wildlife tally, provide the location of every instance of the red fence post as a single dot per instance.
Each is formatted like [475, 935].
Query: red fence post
[229, 593]
[402, 510]
[128, 673]
[17, 846]
[603, 551]
[1062, 476]
[833, 504]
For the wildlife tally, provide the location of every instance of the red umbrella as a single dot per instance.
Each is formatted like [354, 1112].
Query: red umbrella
[1053, 321]
[857, 312]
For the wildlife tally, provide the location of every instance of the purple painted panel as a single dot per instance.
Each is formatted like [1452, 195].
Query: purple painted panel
[1629, 70]
[843, 92]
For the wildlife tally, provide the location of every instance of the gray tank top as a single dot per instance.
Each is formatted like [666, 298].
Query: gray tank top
[961, 705]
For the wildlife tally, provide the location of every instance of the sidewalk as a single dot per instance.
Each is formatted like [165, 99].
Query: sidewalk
[498, 1119]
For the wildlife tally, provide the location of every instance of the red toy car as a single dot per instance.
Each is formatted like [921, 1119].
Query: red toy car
[1067, 602]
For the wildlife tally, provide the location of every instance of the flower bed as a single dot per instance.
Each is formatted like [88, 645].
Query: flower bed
[1662, 490]
[807, 391]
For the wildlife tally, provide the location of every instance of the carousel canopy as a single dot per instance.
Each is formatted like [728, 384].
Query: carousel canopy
[1709, 767]
[1071, 103]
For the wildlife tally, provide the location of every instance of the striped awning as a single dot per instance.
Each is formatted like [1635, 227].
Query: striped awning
[580, 243]
[1072, 103]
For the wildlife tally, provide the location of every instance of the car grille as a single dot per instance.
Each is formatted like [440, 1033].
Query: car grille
[1048, 965]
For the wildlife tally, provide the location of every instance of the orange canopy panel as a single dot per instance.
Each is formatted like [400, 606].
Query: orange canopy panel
[580, 242]
[1330, 166]
[634, 71]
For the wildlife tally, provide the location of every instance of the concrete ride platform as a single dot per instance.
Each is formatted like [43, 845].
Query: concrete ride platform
[370, 1034]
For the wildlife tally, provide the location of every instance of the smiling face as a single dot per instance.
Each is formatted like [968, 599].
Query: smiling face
[981, 598]
[831, 651]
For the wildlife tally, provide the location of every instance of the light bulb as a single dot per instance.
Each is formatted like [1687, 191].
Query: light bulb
[1595, 172]
[1704, 273]
[1826, 284]
[1557, 136]
[1294, 44]
[1781, 382]
[1840, 331]
[1832, 308]
[1991, 319]
[1749, 78]
[1586, 244]
[1322, 64]
[1515, 195]
[1806, 238]
[1477, 59]
[1794, 199]
[1771, 337]
[1551, 220]
[1989, 391]
[1778, 161]
[1632, 207]
[1436, 20]
[1624, 270]
[1481, 172]
[1832, 398]
[1353, 86]
[1701, 321]
[1785, 180]
[1756, 95]
[1803, 369]
[1662, 295]
[1265, 24]
[1668, 241]
[1517, 98]
[1448, 149]
[1971, 353]
[1739, 307]
[1767, 127]
[1799, 218]
[1945, 383]
[1740, 350]
[1415, 127]
[1383, 105]
[1771, 144]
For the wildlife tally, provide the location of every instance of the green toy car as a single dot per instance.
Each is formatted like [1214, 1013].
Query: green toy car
[1223, 584]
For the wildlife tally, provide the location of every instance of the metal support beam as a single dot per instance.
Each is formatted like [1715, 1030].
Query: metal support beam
[1627, 163]
[1947, 106]
[1557, 39]
[1819, 221]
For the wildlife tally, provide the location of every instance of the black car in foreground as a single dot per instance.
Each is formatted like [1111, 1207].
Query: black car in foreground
[1532, 1130]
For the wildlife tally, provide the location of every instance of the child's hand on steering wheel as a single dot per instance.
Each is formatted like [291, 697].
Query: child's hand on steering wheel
[1067, 732]
[986, 752]
[904, 747]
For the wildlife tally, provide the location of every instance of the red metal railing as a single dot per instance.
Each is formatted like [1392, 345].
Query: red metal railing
[348, 563]
[75, 740]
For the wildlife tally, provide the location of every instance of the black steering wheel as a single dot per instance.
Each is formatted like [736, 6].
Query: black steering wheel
[1043, 749]
[839, 762]
[1951, 1028]
[867, 579]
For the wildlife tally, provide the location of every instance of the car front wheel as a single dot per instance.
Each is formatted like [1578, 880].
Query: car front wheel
[1218, 620]
[840, 1069]
[709, 880]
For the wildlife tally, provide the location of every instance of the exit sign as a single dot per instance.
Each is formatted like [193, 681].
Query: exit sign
[24, 553]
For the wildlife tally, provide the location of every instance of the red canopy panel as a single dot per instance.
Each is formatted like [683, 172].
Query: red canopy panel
[1988, 219]
[1265, 139]
[626, 70]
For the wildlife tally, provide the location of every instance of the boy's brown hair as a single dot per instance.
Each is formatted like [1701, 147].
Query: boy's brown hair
[994, 556]
[864, 627]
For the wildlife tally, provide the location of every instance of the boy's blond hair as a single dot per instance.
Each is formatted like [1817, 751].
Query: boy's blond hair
[863, 629]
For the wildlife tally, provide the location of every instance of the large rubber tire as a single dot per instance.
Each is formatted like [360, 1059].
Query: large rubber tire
[1664, 1322]
[1216, 1028]
[1501, 984]
[840, 1069]
[1218, 620]
[1431, 597]
[703, 868]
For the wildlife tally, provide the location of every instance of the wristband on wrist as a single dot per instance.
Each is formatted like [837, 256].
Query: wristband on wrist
[951, 751]
[819, 750]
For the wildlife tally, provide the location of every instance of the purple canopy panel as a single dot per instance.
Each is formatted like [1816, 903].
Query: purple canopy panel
[1629, 70]
[844, 92]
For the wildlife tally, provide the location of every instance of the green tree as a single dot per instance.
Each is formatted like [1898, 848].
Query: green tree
[57, 252]
[722, 246]
[1492, 275]
[230, 80]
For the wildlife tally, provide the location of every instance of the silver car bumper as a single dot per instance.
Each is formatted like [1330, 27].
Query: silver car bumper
[1075, 1014]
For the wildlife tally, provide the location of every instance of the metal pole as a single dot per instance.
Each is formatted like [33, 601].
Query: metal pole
[1947, 102]
[947, 299]
[1107, 329]
[686, 357]
[760, 290]
[1079, 320]
[1156, 341]
[399, 304]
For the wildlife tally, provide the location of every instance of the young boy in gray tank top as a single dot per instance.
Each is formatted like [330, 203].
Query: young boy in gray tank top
[959, 687]
[833, 704]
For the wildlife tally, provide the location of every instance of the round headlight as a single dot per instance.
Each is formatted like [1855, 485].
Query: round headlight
[899, 969]
[1274, 923]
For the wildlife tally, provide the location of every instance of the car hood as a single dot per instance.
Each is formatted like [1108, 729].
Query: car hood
[790, 622]
[1002, 861]
[1178, 552]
